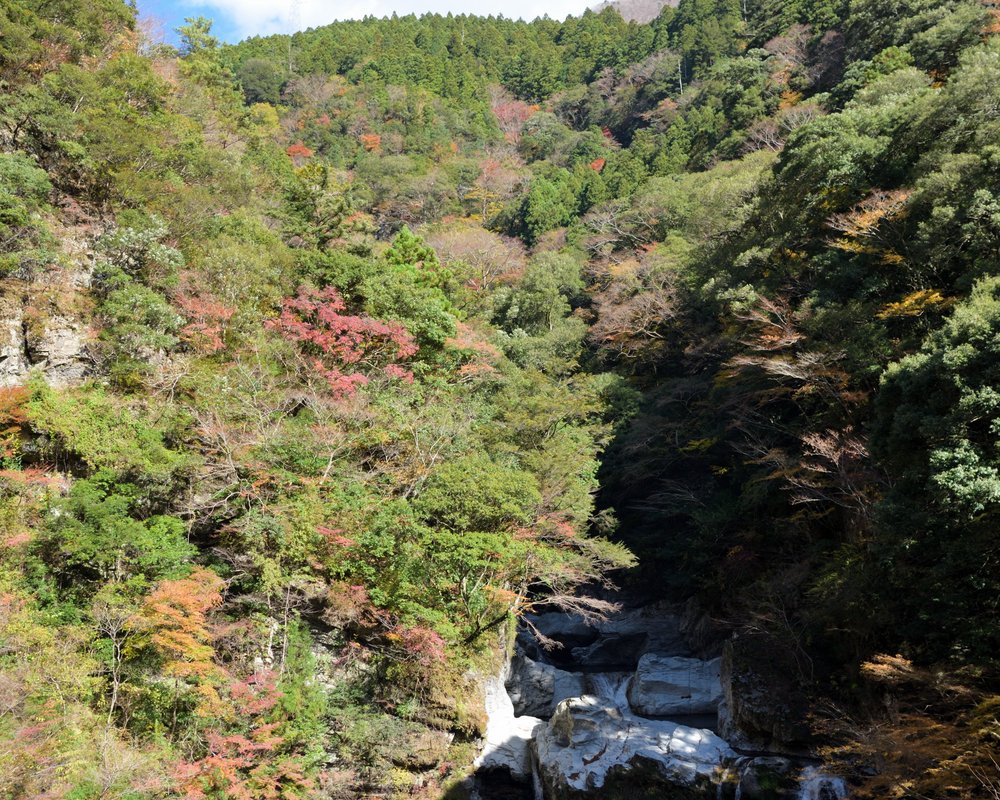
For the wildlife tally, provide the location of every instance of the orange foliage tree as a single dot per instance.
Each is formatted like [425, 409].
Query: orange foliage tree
[176, 616]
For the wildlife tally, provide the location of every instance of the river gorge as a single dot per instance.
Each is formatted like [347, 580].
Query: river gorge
[636, 705]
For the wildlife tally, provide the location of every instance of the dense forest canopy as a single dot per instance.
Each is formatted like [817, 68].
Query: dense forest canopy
[327, 356]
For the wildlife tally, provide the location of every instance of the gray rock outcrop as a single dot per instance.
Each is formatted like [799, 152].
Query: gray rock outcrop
[671, 685]
[58, 349]
[588, 740]
[43, 317]
[13, 349]
[765, 705]
[616, 643]
[508, 737]
[536, 689]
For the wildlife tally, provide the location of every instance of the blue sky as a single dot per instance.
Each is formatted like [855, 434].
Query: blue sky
[237, 19]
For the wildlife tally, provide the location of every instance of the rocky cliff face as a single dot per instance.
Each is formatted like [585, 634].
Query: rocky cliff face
[670, 685]
[765, 706]
[43, 318]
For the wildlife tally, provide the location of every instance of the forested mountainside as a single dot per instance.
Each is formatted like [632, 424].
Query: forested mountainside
[325, 357]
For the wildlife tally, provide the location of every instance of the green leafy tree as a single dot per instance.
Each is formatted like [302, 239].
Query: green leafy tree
[938, 415]
[95, 537]
[261, 81]
[24, 193]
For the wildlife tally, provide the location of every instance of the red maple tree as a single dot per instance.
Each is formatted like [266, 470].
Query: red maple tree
[207, 320]
[344, 348]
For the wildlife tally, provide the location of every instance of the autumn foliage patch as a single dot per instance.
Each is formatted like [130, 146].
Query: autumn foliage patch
[345, 349]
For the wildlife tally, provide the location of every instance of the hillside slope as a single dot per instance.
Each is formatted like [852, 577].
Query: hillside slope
[326, 358]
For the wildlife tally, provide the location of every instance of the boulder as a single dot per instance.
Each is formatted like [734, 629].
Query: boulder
[535, 688]
[768, 778]
[670, 685]
[588, 742]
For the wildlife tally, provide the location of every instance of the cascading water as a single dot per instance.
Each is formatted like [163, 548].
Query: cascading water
[538, 790]
[815, 785]
[610, 687]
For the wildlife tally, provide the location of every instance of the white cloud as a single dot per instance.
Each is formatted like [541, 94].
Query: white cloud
[261, 17]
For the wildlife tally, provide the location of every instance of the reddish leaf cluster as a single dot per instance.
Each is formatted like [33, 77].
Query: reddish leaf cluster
[339, 345]
[479, 355]
[335, 536]
[298, 152]
[251, 763]
[468, 339]
[13, 416]
[419, 644]
[511, 115]
[598, 164]
[370, 141]
[398, 373]
[207, 319]
[349, 605]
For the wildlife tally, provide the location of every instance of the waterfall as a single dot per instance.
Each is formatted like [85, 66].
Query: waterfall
[610, 686]
[537, 788]
[814, 785]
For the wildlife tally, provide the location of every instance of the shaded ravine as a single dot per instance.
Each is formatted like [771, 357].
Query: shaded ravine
[624, 708]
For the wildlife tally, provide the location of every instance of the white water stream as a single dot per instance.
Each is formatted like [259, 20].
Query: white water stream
[611, 688]
[816, 785]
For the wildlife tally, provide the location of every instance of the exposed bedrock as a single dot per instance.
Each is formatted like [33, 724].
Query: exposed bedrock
[624, 709]
[589, 740]
[536, 688]
[666, 686]
[507, 745]
[765, 703]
